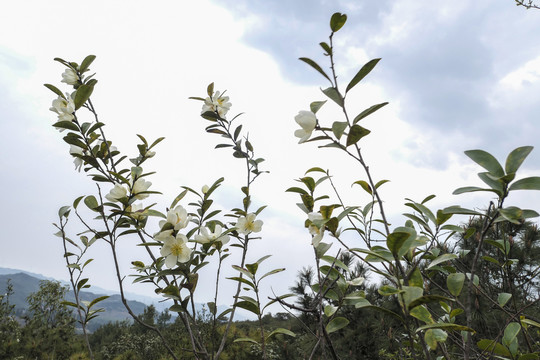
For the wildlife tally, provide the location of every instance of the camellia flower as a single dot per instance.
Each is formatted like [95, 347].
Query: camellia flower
[116, 193]
[316, 231]
[137, 211]
[177, 217]
[217, 103]
[63, 108]
[70, 77]
[207, 236]
[247, 224]
[174, 249]
[74, 149]
[307, 122]
[140, 186]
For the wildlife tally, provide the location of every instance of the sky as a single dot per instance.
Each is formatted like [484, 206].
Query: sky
[458, 75]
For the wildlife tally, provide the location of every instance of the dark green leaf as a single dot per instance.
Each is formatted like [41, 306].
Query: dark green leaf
[337, 21]
[493, 347]
[454, 282]
[355, 134]
[316, 66]
[91, 202]
[82, 95]
[55, 90]
[336, 324]
[366, 69]
[86, 63]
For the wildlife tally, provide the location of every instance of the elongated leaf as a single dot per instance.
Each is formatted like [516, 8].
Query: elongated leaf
[510, 333]
[86, 63]
[468, 189]
[446, 326]
[316, 105]
[368, 112]
[82, 95]
[487, 161]
[530, 183]
[281, 331]
[493, 347]
[55, 90]
[96, 300]
[336, 324]
[516, 158]
[246, 340]
[441, 259]
[364, 186]
[249, 306]
[316, 66]
[362, 73]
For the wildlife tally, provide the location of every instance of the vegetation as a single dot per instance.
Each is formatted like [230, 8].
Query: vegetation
[446, 288]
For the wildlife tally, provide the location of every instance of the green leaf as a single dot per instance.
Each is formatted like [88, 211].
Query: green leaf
[96, 300]
[446, 326]
[82, 95]
[441, 259]
[530, 183]
[55, 90]
[316, 105]
[246, 340]
[454, 282]
[334, 95]
[467, 189]
[459, 210]
[516, 158]
[336, 324]
[503, 298]
[91, 202]
[316, 66]
[487, 161]
[512, 214]
[355, 134]
[337, 21]
[421, 313]
[510, 333]
[433, 336]
[364, 186]
[249, 306]
[368, 112]
[66, 125]
[395, 241]
[493, 347]
[387, 290]
[425, 299]
[329, 310]
[362, 73]
[338, 127]
[281, 331]
[86, 63]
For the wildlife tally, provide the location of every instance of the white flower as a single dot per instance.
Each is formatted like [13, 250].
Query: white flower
[74, 149]
[175, 249]
[208, 236]
[137, 211]
[217, 103]
[63, 108]
[205, 189]
[70, 77]
[116, 193]
[247, 224]
[356, 281]
[307, 122]
[150, 154]
[316, 231]
[178, 217]
[140, 186]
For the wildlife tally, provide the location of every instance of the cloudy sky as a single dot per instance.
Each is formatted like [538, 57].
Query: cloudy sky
[458, 75]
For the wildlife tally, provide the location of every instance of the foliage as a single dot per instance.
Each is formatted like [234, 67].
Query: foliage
[438, 277]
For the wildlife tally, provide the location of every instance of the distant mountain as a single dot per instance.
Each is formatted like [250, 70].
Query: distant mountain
[25, 284]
